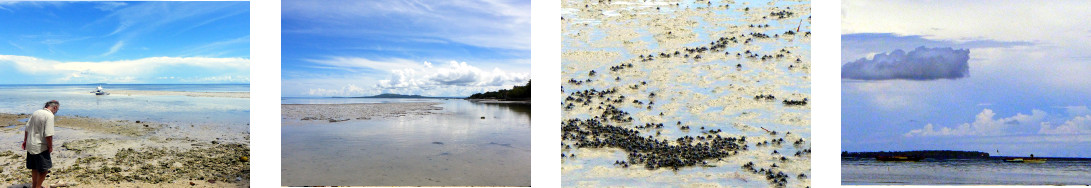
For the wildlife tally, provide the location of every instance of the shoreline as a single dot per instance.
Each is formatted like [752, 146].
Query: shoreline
[181, 93]
[100, 152]
[498, 101]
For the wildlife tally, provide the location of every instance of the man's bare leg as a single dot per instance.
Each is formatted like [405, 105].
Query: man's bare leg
[35, 176]
[41, 179]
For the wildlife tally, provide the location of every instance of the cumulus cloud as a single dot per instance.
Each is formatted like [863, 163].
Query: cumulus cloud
[920, 64]
[356, 76]
[1077, 125]
[401, 76]
[453, 74]
[983, 125]
[127, 70]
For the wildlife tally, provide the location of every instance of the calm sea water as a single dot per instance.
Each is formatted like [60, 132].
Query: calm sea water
[76, 100]
[453, 147]
[965, 172]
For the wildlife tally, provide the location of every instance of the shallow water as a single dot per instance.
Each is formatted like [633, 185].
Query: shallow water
[329, 100]
[965, 172]
[452, 147]
[77, 100]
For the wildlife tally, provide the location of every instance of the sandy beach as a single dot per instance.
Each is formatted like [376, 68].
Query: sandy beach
[181, 93]
[362, 111]
[92, 152]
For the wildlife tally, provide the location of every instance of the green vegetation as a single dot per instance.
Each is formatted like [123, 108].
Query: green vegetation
[935, 154]
[517, 93]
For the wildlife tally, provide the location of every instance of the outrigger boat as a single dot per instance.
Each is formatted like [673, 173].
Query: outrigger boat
[99, 91]
[1025, 160]
[899, 158]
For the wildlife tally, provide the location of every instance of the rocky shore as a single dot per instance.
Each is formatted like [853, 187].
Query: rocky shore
[93, 152]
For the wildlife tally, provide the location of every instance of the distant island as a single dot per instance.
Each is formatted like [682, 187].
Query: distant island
[400, 96]
[516, 93]
[935, 154]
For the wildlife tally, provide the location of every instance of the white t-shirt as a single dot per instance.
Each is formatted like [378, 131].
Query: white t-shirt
[39, 126]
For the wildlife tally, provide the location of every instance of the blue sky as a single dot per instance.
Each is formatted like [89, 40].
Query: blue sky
[124, 42]
[433, 48]
[1025, 92]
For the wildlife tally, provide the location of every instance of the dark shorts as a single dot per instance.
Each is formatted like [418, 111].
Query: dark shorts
[40, 162]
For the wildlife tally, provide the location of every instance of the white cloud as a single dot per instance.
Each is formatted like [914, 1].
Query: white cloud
[145, 17]
[352, 63]
[117, 46]
[1077, 125]
[983, 125]
[1077, 110]
[1007, 20]
[889, 95]
[348, 90]
[217, 48]
[124, 70]
[454, 74]
[484, 23]
[405, 77]
[109, 5]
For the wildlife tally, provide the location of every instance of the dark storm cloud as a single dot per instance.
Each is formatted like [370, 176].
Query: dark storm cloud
[920, 64]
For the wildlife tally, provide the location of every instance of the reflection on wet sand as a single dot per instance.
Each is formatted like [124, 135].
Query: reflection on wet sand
[451, 145]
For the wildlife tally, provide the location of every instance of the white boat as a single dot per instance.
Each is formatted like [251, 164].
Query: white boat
[99, 91]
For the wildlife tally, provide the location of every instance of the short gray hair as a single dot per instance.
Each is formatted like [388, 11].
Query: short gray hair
[52, 103]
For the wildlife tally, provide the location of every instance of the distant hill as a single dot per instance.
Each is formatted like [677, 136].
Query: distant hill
[400, 96]
[936, 154]
[516, 93]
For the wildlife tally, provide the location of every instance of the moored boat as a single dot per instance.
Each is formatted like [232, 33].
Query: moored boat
[99, 91]
[1025, 160]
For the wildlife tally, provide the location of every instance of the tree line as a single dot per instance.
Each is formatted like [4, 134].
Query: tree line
[516, 93]
[935, 154]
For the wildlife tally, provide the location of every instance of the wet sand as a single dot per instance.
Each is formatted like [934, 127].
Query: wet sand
[442, 143]
[92, 152]
[182, 93]
[703, 64]
[361, 111]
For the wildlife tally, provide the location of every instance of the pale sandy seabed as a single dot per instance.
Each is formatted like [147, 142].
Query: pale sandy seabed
[181, 93]
[92, 152]
[709, 92]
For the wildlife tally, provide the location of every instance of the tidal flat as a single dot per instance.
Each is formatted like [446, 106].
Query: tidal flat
[685, 93]
[395, 142]
[141, 140]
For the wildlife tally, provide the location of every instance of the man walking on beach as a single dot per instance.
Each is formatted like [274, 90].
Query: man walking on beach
[39, 133]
